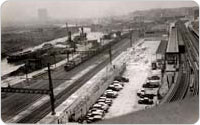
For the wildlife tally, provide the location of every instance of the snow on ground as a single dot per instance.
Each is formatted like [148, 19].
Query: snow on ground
[138, 69]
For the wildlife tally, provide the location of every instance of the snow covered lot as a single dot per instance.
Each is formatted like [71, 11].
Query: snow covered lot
[138, 69]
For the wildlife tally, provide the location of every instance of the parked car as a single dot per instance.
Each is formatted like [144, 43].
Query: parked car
[102, 103]
[149, 85]
[109, 102]
[94, 113]
[121, 79]
[145, 100]
[155, 77]
[150, 96]
[117, 87]
[117, 82]
[141, 91]
[88, 115]
[90, 119]
[108, 99]
[97, 118]
[112, 94]
[101, 100]
[153, 82]
[104, 106]
[122, 84]
[109, 90]
[111, 87]
[97, 106]
[96, 109]
[102, 97]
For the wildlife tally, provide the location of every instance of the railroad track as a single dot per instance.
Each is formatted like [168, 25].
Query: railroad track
[193, 31]
[192, 44]
[182, 82]
[43, 110]
[194, 39]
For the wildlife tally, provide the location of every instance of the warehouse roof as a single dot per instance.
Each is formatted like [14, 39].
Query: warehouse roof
[162, 47]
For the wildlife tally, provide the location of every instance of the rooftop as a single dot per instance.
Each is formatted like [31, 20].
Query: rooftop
[172, 46]
[162, 47]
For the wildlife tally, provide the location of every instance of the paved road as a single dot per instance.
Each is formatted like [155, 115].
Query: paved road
[15, 103]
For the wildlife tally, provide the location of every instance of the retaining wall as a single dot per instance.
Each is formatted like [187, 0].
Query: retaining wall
[77, 105]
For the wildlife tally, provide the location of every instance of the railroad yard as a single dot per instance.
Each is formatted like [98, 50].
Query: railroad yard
[99, 72]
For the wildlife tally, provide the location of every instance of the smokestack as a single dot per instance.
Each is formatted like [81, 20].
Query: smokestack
[67, 26]
[82, 30]
[69, 36]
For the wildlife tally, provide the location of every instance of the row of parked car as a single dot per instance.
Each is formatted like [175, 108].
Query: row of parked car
[146, 97]
[102, 105]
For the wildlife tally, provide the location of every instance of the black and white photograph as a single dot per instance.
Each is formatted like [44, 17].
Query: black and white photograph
[99, 62]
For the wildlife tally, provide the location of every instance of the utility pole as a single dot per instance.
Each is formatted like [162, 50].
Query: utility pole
[74, 45]
[51, 91]
[66, 26]
[67, 56]
[54, 56]
[26, 72]
[131, 38]
[168, 82]
[110, 54]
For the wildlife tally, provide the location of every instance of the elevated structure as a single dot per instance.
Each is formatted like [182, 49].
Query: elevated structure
[172, 52]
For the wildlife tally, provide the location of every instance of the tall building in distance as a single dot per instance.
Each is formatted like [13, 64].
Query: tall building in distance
[42, 14]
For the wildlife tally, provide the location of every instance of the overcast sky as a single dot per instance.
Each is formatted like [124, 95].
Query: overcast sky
[24, 10]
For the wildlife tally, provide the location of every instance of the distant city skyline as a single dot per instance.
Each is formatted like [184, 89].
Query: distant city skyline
[42, 14]
[20, 10]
